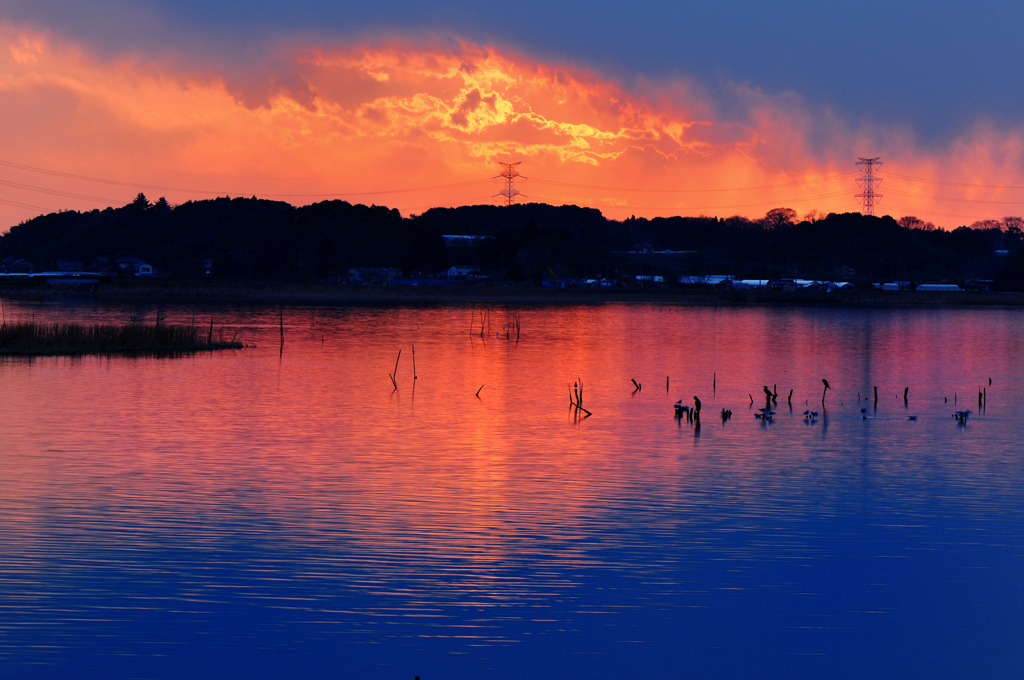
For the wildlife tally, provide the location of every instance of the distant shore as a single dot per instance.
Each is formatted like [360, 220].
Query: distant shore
[252, 293]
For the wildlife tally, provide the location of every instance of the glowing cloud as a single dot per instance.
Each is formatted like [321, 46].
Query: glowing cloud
[417, 126]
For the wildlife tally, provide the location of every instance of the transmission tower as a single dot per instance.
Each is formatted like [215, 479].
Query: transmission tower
[509, 173]
[867, 183]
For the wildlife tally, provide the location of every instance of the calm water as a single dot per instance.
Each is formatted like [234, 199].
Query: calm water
[270, 513]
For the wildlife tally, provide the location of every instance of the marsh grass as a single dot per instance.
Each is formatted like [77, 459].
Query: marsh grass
[71, 339]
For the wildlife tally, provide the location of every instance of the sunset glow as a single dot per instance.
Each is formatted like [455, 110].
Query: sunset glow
[420, 125]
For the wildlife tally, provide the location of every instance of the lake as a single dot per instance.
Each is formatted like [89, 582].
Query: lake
[304, 509]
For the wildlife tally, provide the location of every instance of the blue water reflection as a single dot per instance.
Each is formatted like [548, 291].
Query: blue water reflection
[266, 513]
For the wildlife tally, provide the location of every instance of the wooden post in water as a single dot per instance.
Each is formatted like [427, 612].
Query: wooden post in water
[281, 311]
[578, 403]
[395, 374]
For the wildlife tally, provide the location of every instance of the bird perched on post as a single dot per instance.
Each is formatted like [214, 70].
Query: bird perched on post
[825, 383]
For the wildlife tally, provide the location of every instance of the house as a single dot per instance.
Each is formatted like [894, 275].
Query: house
[374, 276]
[707, 281]
[464, 272]
[938, 288]
[15, 265]
[455, 240]
[134, 266]
[981, 285]
[782, 284]
[100, 264]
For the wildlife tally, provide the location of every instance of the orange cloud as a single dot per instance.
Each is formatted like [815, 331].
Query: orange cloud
[418, 126]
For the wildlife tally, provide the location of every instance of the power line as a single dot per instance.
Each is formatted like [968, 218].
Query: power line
[26, 206]
[511, 175]
[53, 192]
[407, 190]
[933, 213]
[733, 206]
[957, 200]
[795, 183]
[98, 180]
[141, 185]
[957, 184]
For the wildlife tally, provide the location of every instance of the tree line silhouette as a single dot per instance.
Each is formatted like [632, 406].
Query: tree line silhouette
[251, 239]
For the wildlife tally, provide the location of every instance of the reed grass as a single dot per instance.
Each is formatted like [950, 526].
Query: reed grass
[35, 339]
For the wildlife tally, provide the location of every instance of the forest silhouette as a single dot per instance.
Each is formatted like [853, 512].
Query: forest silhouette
[251, 239]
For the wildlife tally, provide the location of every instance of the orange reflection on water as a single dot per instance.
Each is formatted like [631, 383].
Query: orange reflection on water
[274, 499]
[318, 441]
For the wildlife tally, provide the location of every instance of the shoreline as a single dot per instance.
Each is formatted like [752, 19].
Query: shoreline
[313, 294]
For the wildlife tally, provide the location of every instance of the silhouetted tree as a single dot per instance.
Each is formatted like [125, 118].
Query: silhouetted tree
[140, 202]
[778, 217]
[1013, 224]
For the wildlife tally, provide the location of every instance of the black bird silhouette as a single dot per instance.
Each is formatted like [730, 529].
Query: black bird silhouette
[825, 383]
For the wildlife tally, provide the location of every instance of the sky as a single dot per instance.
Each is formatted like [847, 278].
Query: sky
[652, 109]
